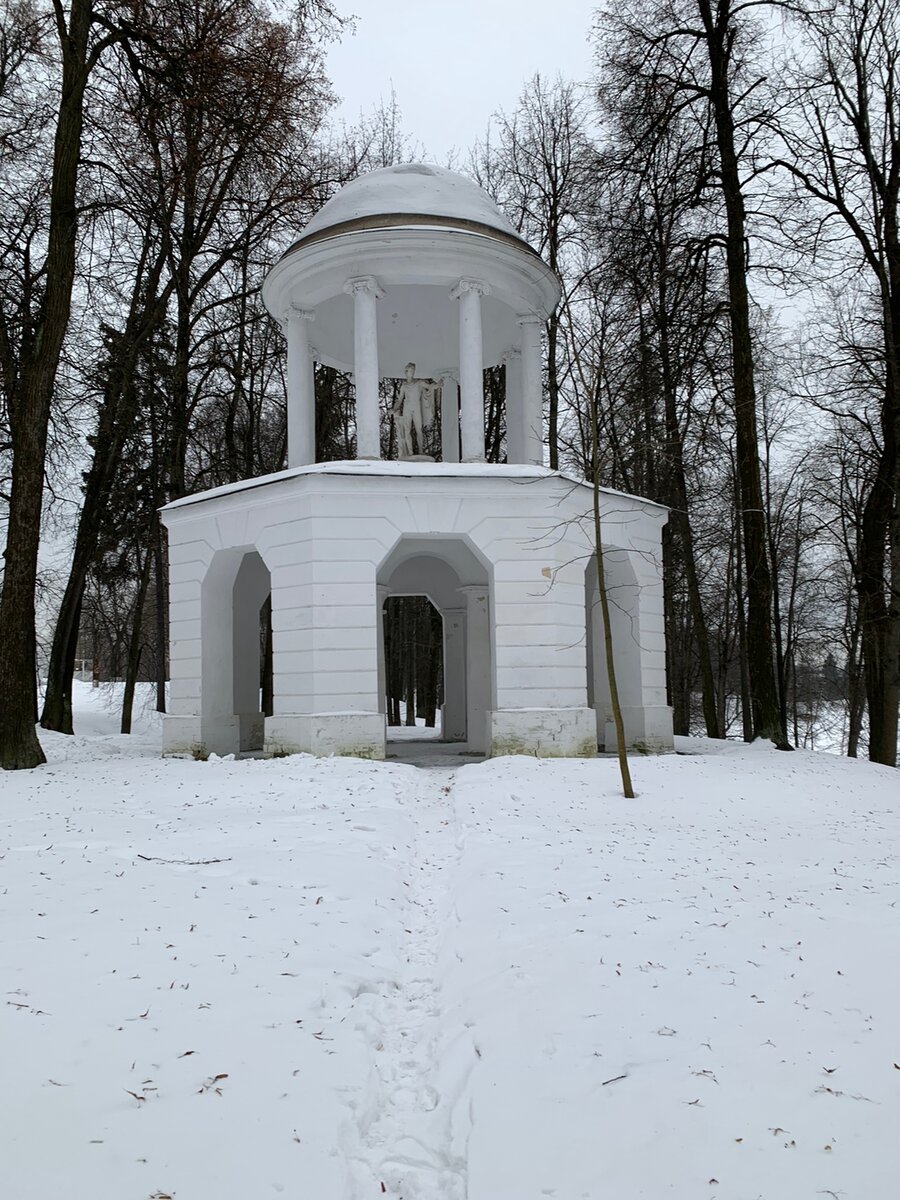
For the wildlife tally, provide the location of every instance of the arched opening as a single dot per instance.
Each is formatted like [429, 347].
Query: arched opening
[236, 649]
[414, 667]
[622, 593]
[252, 638]
[448, 574]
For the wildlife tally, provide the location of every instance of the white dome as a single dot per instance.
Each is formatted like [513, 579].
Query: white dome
[415, 230]
[419, 191]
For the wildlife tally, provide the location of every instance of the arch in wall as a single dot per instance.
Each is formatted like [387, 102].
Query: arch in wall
[624, 620]
[234, 601]
[455, 579]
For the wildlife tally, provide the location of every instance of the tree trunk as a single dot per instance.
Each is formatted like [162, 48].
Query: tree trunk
[116, 417]
[553, 391]
[746, 707]
[161, 611]
[878, 580]
[268, 676]
[409, 664]
[855, 693]
[766, 712]
[29, 412]
[618, 722]
[134, 644]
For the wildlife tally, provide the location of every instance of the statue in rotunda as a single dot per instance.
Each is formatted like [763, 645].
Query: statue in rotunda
[414, 409]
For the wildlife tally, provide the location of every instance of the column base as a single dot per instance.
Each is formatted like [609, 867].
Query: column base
[647, 730]
[199, 737]
[355, 735]
[253, 731]
[543, 732]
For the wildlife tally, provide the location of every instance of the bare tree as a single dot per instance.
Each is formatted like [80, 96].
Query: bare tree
[541, 170]
[700, 53]
[842, 150]
[34, 318]
[214, 111]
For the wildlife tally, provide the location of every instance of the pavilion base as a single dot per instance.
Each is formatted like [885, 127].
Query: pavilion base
[543, 732]
[647, 730]
[355, 735]
[201, 736]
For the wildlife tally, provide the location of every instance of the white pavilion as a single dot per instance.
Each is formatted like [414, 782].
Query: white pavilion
[412, 273]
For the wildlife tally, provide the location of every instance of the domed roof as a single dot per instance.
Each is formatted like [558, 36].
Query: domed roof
[410, 194]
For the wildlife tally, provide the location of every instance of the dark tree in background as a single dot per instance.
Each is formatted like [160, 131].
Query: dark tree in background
[842, 143]
[200, 133]
[38, 277]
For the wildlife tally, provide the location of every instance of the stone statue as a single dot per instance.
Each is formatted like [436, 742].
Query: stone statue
[414, 410]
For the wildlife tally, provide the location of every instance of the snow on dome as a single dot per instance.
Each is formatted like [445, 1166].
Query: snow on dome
[418, 190]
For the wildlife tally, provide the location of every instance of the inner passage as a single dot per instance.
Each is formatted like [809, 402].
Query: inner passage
[414, 666]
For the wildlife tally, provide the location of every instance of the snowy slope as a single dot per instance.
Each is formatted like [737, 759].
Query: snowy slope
[336, 979]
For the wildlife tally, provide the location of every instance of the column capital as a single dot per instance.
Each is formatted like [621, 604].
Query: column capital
[293, 311]
[364, 285]
[511, 352]
[476, 286]
[450, 373]
[529, 319]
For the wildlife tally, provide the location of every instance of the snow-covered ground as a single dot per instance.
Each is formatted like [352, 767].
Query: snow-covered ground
[338, 980]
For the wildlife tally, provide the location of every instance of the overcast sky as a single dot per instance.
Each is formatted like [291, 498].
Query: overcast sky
[454, 63]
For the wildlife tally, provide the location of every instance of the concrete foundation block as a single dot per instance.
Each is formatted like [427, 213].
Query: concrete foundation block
[543, 732]
[356, 735]
[181, 735]
[647, 730]
[201, 736]
[253, 731]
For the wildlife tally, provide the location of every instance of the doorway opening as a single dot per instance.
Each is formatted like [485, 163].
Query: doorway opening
[236, 652]
[414, 667]
[436, 651]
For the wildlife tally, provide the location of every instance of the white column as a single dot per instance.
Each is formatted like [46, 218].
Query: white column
[449, 418]
[365, 292]
[479, 667]
[381, 594]
[471, 367]
[453, 714]
[532, 389]
[301, 391]
[515, 424]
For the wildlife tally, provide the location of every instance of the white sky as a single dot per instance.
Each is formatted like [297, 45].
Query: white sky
[453, 64]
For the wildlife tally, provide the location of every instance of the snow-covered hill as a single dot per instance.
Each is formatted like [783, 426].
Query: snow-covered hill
[339, 980]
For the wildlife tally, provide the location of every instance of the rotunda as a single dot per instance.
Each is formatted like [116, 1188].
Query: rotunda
[414, 263]
[412, 274]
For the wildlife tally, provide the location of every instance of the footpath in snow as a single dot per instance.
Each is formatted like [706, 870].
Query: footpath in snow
[345, 980]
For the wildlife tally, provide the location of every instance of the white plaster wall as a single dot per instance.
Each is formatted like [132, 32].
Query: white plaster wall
[324, 531]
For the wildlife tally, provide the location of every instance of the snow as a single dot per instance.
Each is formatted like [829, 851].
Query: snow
[338, 979]
[403, 470]
[419, 189]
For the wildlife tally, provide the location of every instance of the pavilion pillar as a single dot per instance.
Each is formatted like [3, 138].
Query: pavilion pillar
[478, 665]
[532, 390]
[515, 419]
[301, 393]
[365, 292]
[381, 594]
[449, 418]
[453, 713]
[471, 367]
